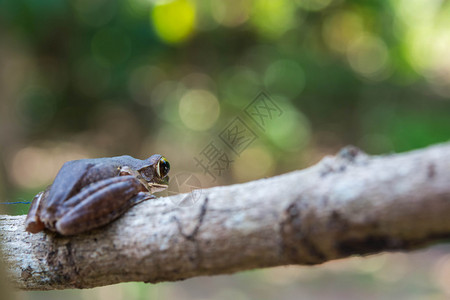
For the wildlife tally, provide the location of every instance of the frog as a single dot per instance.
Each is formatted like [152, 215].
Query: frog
[90, 193]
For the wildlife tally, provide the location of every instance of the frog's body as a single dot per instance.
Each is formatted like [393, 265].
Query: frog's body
[89, 193]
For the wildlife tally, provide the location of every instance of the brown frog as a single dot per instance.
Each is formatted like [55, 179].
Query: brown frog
[89, 193]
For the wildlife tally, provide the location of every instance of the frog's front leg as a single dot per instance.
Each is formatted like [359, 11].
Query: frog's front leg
[98, 204]
[33, 222]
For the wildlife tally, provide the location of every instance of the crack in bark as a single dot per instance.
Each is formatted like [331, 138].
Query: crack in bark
[72, 265]
[296, 241]
[191, 236]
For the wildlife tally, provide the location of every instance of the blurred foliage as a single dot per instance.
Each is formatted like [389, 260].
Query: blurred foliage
[102, 78]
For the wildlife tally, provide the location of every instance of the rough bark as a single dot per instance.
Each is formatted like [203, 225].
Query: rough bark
[350, 204]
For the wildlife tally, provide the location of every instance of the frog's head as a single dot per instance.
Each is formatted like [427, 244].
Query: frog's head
[155, 172]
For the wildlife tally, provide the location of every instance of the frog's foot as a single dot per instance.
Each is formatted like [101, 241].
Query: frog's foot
[33, 223]
[157, 187]
[142, 196]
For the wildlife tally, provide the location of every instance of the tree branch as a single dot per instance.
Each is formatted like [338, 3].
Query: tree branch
[350, 204]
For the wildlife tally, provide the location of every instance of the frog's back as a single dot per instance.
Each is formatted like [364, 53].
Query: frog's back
[75, 174]
[126, 160]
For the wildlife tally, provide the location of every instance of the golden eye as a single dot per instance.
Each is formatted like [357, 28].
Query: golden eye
[163, 167]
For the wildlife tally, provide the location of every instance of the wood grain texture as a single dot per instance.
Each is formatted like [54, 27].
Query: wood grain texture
[349, 204]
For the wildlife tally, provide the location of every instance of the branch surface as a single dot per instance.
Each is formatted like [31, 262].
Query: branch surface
[349, 204]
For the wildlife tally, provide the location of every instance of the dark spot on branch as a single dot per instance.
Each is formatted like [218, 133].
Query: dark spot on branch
[70, 259]
[296, 240]
[431, 171]
[55, 265]
[51, 257]
[378, 243]
[366, 245]
[293, 211]
[336, 222]
[26, 273]
[313, 252]
[60, 260]
[345, 158]
[325, 170]
[349, 153]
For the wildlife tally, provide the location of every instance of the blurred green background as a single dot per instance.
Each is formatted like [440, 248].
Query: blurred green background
[101, 78]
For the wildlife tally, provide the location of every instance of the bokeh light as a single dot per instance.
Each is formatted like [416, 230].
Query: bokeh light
[368, 56]
[285, 77]
[292, 131]
[230, 13]
[239, 85]
[34, 167]
[199, 109]
[272, 18]
[174, 20]
[313, 5]
[340, 28]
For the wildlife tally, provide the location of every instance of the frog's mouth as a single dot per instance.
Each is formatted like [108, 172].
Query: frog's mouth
[154, 187]
[151, 187]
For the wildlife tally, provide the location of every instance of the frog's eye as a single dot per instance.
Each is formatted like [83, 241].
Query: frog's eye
[163, 167]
